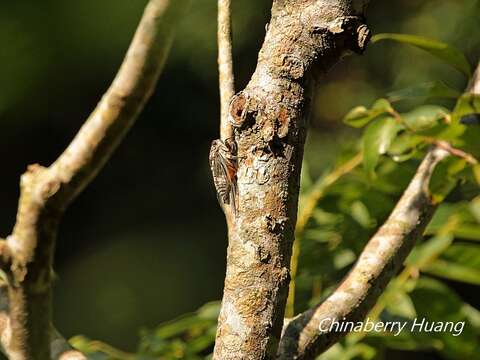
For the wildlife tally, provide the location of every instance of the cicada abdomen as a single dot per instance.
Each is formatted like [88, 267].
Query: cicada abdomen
[223, 163]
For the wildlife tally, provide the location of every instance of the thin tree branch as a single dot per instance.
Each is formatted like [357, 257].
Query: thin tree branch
[377, 265]
[46, 192]
[225, 66]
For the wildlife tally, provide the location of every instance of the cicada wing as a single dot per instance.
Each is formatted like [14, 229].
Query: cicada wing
[220, 174]
[233, 196]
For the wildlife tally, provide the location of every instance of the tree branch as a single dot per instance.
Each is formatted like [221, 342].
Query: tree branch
[46, 192]
[269, 117]
[377, 265]
[59, 347]
[225, 66]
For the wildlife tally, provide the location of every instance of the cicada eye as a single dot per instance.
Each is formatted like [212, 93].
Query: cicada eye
[231, 144]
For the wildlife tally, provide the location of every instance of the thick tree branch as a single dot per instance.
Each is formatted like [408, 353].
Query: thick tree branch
[269, 117]
[377, 265]
[60, 349]
[225, 66]
[46, 192]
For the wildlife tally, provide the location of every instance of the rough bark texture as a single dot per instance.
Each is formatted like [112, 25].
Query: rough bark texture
[269, 117]
[27, 254]
[59, 347]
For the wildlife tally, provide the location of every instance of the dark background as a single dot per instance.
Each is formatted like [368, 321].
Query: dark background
[146, 240]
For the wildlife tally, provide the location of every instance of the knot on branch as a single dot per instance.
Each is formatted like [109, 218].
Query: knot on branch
[5, 257]
[242, 110]
[40, 184]
[292, 67]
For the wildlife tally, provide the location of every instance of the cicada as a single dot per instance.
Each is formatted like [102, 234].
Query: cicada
[223, 162]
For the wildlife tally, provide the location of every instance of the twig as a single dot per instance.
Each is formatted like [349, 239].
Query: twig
[46, 192]
[469, 158]
[225, 66]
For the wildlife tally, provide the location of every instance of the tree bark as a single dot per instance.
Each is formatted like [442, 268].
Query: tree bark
[269, 117]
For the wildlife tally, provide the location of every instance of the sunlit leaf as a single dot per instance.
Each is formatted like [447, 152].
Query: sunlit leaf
[178, 326]
[404, 143]
[453, 271]
[424, 117]
[376, 141]
[209, 310]
[438, 49]
[466, 104]
[476, 173]
[422, 254]
[343, 258]
[443, 179]
[361, 214]
[474, 208]
[467, 232]
[461, 262]
[400, 304]
[360, 116]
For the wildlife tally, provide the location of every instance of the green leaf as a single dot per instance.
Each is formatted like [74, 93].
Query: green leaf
[209, 311]
[376, 141]
[474, 208]
[361, 214]
[404, 143]
[343, 258]
[436, 48]
[461, 262]
[422, 254]
[357, 117]
[473, 315]
[476, 173]
[468, 232]
[435, 301]
[444, 131]
[405, 341]
[404, 146]
[177, 326]
[424, 117]
[400, 304]
[443, 179]
[360, 116]
[427, 90]
[466, 104]
[453, 271]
